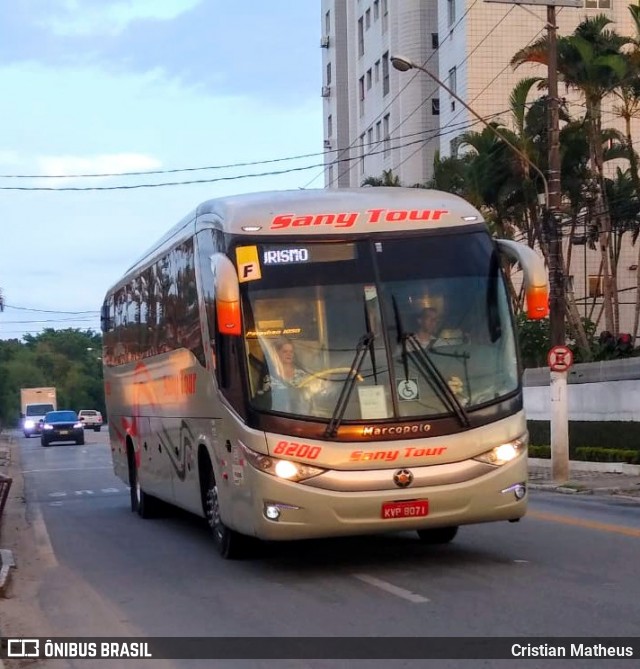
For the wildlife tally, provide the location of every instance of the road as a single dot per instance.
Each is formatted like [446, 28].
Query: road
[570, 568]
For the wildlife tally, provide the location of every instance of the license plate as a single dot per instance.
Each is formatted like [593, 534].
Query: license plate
[416, 508]
[64, 431]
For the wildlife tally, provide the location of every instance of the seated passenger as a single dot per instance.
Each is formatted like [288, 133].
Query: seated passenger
[286, 376]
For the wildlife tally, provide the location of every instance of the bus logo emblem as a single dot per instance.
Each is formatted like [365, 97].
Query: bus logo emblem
[403, 478]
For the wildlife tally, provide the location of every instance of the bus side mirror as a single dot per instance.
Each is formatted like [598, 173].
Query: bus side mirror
[227, 295]
[535, 276]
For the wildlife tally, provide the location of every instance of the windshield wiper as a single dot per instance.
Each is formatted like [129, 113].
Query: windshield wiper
[427, 368]
[432, 374]
[348, 385]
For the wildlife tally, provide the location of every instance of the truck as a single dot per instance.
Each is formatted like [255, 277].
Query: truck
[35, 403]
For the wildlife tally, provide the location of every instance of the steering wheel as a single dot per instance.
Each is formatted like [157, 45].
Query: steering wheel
[323, 373]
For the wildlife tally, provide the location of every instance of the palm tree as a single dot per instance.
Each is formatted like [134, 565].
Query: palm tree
[388, 178]
[591, 62]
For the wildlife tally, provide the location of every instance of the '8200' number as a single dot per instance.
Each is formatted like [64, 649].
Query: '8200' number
[294, 450]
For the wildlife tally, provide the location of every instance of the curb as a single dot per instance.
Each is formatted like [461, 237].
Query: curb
[618, 493]
[6, 563]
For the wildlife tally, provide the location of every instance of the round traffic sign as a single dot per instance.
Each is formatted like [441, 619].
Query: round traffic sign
[560, 358]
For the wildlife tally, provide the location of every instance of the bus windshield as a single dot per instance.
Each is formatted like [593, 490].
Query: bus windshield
[412, 327]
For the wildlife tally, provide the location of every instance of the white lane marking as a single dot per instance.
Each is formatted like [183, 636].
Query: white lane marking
[392, 589]
[45, 549]
[70, 469]
[64, 493]
[64, 469]
[521, 561]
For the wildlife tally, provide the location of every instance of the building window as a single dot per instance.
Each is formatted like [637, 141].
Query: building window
[454, 145]
[367, 19]
[329, 125]
[387, 138]
[434, 40]
[597, 4]
[378, 131]
[435, 106]
[327, 23]
[361, 95]
[451, 12]
[360, 37]
[385, 74]
[377, 71]
[368, 78]
[385, 16]
[328, 74]
[331, 175]
[453, 83]
[362, 153]
[596, 285]
[376, 10]
[370, 136]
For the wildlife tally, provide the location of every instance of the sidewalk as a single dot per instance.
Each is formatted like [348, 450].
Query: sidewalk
[587, 478]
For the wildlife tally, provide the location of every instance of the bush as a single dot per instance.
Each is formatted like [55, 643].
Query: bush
[540, 452]
[594, 454]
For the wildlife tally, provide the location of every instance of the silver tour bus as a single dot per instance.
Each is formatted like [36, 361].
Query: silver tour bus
[304, 364]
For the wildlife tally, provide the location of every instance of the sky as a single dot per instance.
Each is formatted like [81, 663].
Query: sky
[104, 87]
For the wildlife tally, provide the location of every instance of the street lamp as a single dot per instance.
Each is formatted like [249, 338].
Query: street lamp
[403, 64]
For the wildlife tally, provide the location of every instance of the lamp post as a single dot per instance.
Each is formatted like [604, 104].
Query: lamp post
[403, 64]
[559, 418]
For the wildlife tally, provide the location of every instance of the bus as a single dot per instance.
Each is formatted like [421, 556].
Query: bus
[377, 432]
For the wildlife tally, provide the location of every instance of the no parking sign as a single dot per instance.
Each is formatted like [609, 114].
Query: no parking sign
[560, 358]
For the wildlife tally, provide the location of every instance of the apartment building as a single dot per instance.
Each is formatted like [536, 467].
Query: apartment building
[377, 119]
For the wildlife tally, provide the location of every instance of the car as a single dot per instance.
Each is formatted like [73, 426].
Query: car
[90, 418]
[62, 425]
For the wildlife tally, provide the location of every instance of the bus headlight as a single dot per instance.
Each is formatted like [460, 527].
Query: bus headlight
[29, 424]
[283, 469]
[504, 453]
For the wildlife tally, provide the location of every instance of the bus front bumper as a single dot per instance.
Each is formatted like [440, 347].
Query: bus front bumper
[281, 510]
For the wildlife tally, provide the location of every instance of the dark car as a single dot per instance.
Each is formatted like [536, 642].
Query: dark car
[62, 426]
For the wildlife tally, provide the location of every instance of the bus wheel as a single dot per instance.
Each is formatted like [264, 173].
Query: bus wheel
[438, 535]
[142, 503]
[229, 543]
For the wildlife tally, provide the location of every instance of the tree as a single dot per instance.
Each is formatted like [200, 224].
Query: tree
[68, 359]
[591, 62]
[388, 178]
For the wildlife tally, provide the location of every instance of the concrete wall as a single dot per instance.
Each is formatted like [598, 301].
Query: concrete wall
[598, 391]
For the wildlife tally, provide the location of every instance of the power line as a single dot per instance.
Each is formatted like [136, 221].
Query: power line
[46, 311]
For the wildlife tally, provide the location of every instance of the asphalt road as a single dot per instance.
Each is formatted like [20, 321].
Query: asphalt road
[570, 568]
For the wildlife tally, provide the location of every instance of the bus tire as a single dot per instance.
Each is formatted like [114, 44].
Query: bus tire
[438, 535]
[230, 544]
[143, 504]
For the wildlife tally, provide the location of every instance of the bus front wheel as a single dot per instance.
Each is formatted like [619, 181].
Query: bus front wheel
[438, 535]
[230, 544]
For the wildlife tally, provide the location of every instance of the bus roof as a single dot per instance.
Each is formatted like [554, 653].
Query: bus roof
[290, 211]
[320, 212]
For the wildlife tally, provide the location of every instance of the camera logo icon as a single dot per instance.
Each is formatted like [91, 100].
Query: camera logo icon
[23, 648]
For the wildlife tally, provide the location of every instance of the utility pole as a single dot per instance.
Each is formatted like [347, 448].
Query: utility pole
[559, 414]
[559, 418]
[557, 300]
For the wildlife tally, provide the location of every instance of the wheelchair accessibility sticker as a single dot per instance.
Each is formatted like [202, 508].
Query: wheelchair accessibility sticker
[408, 389]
